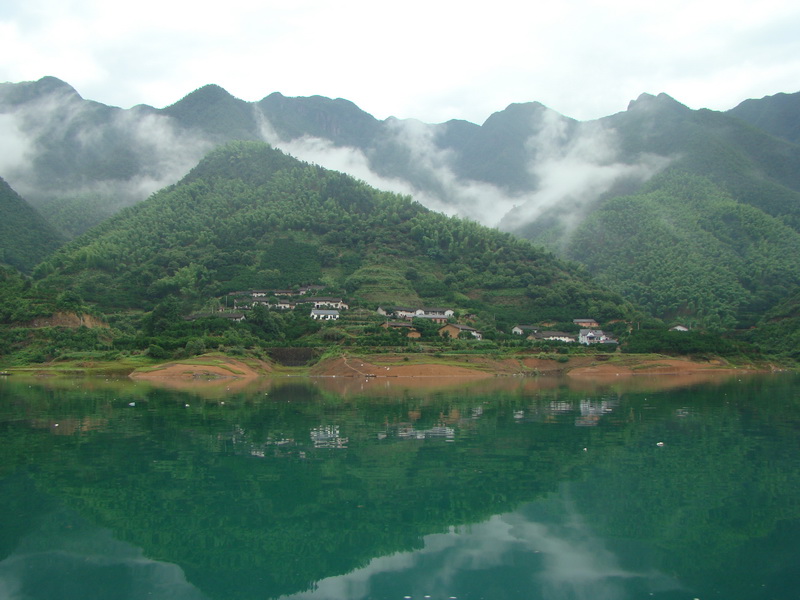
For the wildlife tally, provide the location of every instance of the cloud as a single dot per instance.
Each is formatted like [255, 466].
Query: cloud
[575, 164]
[475, 200]
[442, 191]
[584, 58]
[575, 168]
[326, 154]
[15, 146]
[44, 142]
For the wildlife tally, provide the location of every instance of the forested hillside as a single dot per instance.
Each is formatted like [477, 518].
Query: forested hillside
[526, 170]
[25, 237]
[712, 239]
[777, 115]
[249, 216]
[686, 250]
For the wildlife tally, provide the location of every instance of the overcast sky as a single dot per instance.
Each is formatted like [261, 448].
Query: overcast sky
[431, 60]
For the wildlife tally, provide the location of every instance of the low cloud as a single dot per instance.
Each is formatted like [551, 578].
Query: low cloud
[573, 165]
[443, 191]
[140, 152]
[324, 153]
[15, 146]
[574, 169]
[475, 200]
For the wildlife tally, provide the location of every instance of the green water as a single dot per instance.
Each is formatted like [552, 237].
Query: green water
[115, 490]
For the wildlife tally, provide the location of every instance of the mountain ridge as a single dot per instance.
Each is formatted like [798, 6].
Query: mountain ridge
[289, 223]
[527, 168]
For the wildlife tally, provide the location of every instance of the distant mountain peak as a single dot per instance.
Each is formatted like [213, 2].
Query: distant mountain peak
[208, 93]
[649, 102]
[27, 91]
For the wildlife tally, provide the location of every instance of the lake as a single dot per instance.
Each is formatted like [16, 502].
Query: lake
[509, 488]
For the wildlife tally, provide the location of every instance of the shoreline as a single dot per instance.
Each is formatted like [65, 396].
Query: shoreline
[215, 366]
[399, 366]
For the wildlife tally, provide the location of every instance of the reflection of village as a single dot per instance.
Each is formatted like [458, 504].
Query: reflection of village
[587, 412]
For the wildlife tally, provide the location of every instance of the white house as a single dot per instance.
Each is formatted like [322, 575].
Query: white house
[324, 315]
[552, 336]
[434, 312]
[594, 336]
[523, 329]
[326, 302]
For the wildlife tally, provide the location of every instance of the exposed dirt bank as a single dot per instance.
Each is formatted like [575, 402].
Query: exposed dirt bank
[67, 319]
[394, 366]
[473, 366]
[657, 366]
[205, 369]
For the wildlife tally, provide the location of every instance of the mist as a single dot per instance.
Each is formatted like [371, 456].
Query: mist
[64, 154]
[575, 169]
[60, 152]
[444, 191]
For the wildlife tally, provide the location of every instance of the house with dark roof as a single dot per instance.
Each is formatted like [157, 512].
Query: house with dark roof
[594, 336]
[328, 302]
[588, 323]
[405, 326]
[454, 330]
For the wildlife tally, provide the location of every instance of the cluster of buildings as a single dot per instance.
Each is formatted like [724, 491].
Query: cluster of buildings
[323, 308]
[588, 333]
[328, 308]
[440, 316]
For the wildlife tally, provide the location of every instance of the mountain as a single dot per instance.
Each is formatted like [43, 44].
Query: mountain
[527, 169]
[778, 115]
[685, 249]
[682, 209]
[251, 217]
[25, 237]
[78, 162]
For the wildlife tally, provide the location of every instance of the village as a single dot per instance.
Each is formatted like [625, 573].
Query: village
[399, 318]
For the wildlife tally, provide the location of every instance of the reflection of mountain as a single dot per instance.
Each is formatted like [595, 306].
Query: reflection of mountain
[66, 557]
[543, 550]
[238, 496]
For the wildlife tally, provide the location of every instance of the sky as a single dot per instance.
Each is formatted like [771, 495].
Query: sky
[432, 60]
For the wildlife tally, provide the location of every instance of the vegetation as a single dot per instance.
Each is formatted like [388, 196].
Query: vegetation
[250, 217]
[686, 250]
[25, 237]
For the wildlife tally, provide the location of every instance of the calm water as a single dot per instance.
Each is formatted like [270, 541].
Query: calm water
[508, 489]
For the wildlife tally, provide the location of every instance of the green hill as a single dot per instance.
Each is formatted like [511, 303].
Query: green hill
[778, 115]
[25, 237]
[685, 250]
[712, 239]
[249, 217]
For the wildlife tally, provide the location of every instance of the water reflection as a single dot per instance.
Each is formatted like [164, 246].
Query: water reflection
[528, 553]
[66, 557]
[504, 491]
